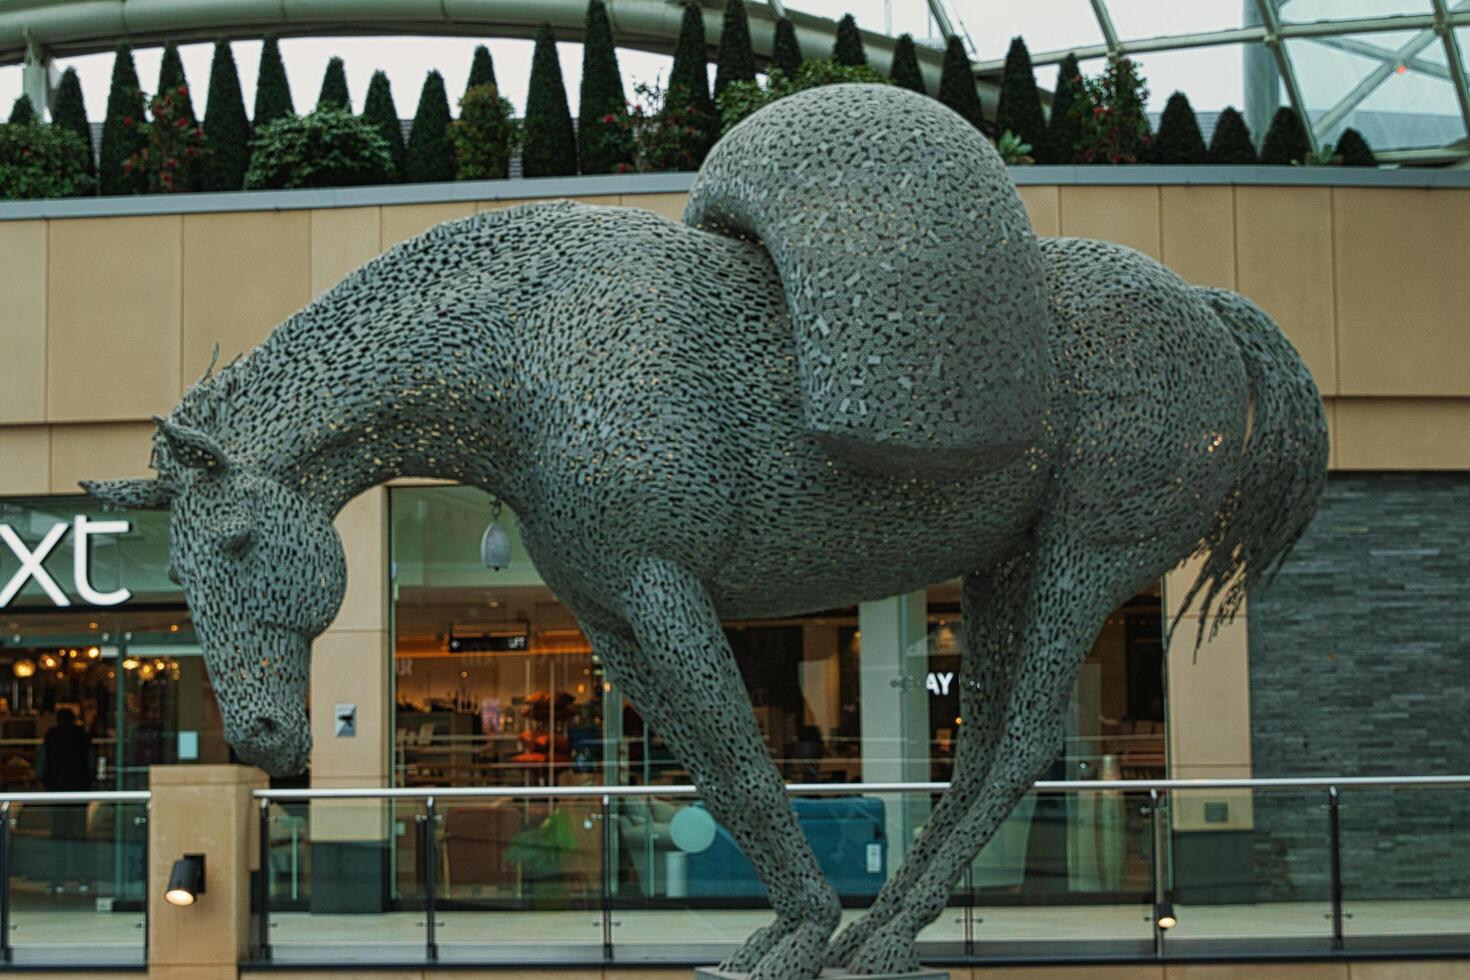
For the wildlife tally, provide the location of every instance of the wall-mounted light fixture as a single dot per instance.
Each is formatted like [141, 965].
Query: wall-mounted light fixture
[1164, 915]
[495, 542]
[186, 881]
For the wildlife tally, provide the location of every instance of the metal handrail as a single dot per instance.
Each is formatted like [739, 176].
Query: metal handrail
[847, 789]
[81, 796]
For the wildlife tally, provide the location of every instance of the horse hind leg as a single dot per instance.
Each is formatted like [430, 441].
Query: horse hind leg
[1070, 597]
[992, 601]
[679, 671]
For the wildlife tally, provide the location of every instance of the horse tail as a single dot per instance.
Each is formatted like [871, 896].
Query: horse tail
[1283, 466]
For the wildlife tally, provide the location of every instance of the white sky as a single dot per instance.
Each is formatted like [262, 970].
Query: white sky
[1211, 77]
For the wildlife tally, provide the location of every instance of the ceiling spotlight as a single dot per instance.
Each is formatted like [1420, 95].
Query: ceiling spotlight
[24, 668]
[186, 881]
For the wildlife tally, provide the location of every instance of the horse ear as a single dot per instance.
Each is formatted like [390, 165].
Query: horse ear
[130, 494]
[191, 447]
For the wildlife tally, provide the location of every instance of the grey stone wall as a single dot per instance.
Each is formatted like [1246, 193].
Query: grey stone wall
[1360, 665]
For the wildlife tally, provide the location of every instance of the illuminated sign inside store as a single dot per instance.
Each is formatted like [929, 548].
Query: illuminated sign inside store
[937, 683]
[32, 560]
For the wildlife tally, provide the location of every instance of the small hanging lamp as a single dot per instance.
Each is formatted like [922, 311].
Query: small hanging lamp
[495, 543]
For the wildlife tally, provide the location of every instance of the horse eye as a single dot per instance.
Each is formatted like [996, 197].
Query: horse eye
[238, 543]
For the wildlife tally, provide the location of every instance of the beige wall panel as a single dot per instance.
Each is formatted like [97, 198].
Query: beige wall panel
[1042, 205]
[1410, 970]
[1283, 255]
[113, 451]
[350, 666]
[341, 240]
[401, 222]
[1256, 971]
[1403, 291]
[1330, 406]
[606, 200]
[113, 311]
[1126, 215]
[1118, 971]
[25, 460]
[358, 974]
[1402, 433]
[669, 205]
[244, 272]
[363, 527]
[23, 321]
[1197, 226]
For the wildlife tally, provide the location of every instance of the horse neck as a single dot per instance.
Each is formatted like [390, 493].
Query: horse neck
[405, 399]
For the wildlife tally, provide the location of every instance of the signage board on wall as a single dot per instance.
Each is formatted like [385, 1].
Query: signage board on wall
[32, 562]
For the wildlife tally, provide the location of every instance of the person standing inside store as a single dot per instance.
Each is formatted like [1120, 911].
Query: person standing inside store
[65, 765]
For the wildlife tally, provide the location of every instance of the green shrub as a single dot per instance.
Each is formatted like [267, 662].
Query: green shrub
[39, 161]
[604, 142]
[549, 147]
[848, 48]
[687, 98]
[272, 88]
[334, 87]
[169, 161]
[785, 50]
[485, 136]
[1354, 150]
[743, 98]
[1286, 139]
[226, 127]
[171, 79]
[428, 157]
[1013, 150]
[122, 129]
[1114, 125]
[736, 62]
[1231, 143]
[378, 108]
[1020, 112]
[1064, 130]
[326, 148]
[906, 72]
[669, 134]
[22, 113]
[957, 85]
[482, 70]
[71, 113]
[1179, 140]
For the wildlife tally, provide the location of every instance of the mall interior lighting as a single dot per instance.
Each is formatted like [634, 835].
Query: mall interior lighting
[186, 881]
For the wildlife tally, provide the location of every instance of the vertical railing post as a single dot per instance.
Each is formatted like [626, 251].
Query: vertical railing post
[607, 865]
[970, 908]
[1334, 835]
[1156, 867]
[429, 849]
[263, 886]
[5, 952]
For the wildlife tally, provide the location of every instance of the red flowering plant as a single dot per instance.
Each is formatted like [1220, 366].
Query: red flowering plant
[1112, 121]
[669, 132]
[170, 156]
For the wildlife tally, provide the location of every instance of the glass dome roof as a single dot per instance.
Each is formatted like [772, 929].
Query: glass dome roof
[1395, 70]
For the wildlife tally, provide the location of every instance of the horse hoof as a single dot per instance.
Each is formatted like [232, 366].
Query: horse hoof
[761, 942]
[847, 943]
[796, 956]
[885, 952]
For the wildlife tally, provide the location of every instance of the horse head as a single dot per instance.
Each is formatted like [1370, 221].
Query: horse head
[263, 572]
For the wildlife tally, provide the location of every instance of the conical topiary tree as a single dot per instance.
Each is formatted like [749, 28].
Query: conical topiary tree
[604, 141]
[1286, 139]
[848, 48]
[785, 50]
[334, 87]
[22, 112]
[957, 84]
[1064, 129]
[737, 59]
[378, 108]
[549, 147]
[1231, 143]
[272, 88]
[482, 69]
[689, 79]
[429, 156]
[171, 80]
[906, 72]
[1354, 150]
[70, 113]
[1178, 140]
[1020, 104]
[226, 127]
[122, 129]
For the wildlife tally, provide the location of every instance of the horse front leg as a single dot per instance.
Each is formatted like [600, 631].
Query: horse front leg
[992, 602]
[677, 668]
[1070, 597]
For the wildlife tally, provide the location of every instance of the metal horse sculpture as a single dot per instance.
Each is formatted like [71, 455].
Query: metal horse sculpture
[854, 373]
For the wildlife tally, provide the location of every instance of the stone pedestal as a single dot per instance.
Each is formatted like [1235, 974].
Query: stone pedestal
[830, 973]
